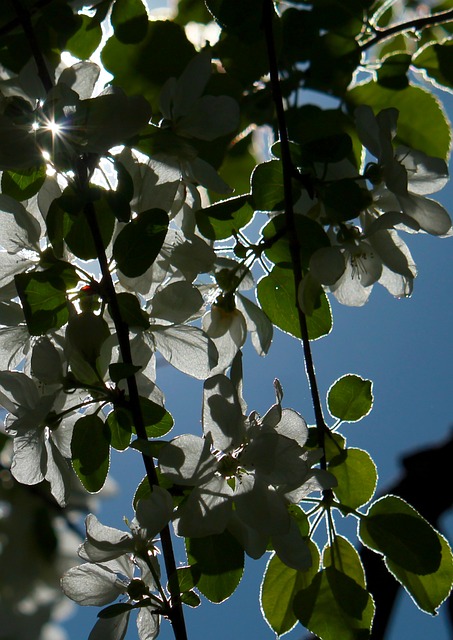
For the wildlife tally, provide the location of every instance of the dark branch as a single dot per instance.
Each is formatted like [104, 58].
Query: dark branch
[288, 171]
[25, 22]
[412, 25]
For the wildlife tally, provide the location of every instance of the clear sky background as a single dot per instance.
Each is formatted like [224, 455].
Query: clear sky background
[405, 347]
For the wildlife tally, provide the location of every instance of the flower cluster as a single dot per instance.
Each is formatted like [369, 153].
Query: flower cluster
[370, 250]
[122, 564]
[244, 473]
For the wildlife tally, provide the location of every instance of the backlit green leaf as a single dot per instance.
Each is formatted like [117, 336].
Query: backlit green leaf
[280, 585]
[90, 449]
[276, 295]
[396, 530]
[422, 122]
[120, 425]
[23, 185]
[350, 398]
[430, 590]
[140, 241]
[335, 606]
[220, 561]
[86, 39]
[44, 301]
[129, 20]
[218, 221]
[357, 477]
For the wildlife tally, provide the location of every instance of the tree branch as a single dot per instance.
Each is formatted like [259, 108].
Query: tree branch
[410, 25]
[288, 170]
[175, 614]
[24, 20]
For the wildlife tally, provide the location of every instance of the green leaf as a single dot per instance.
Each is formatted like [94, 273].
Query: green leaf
[396, 530]
[191, 599]
[121, 370]
[138, 244]
[280, 585]
[131, 312]
[85, 335]
[276, 295]
[79, 237]
[86, 39]
[220, 561]
[357, 477]
[115, 610]
[188, 577]
[422, 122]
[350, 398]
[310, 236]
[436, 61]
[393, 72]
[67, 221]
[300, 517]
[345, 199]
[335, 606]
[430, 590]
[267, 186]
[142, 68]
[129, 21]
[119, 200]
[23, 185]
[158, 421]
[90, 449]
[43, 298]
[221, 219]
[120, 426]
[344, 555]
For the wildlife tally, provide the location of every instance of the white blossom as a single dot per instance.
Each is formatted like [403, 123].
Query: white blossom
[250, 461]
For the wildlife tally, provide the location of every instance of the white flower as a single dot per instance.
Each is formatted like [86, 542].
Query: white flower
[360, 258]
[227, 328]
[187, 113]
[107, 543]
[92, 584]
[402, 177]
[252, 462]
[40, 451]
[114, 558]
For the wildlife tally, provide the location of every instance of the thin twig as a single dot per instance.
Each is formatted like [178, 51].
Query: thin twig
[411, 25]
[291, 228]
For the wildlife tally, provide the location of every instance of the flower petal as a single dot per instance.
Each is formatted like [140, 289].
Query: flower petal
[155, 511]
[187, 460]
[206, 511]
[92, 584]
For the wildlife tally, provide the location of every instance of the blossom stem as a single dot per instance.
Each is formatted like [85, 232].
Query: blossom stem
[291, 229]
[402, 27]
